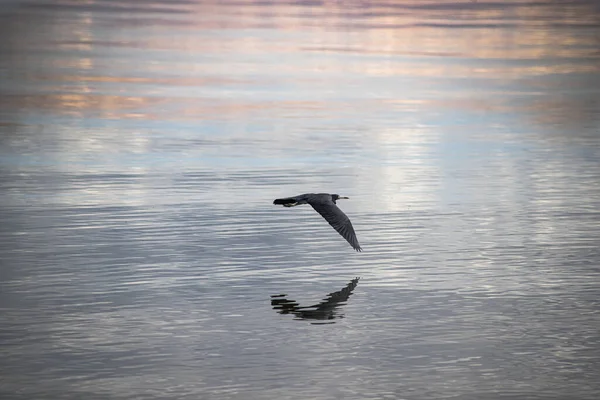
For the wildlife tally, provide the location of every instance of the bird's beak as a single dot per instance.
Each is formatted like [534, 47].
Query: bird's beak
[343, 197]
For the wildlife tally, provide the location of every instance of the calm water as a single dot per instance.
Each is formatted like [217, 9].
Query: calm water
[142, 144]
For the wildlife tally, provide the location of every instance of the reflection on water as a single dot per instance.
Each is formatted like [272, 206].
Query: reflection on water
[327, 309]
[142, 143]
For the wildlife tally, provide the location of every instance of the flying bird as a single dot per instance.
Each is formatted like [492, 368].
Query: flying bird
[324, 204]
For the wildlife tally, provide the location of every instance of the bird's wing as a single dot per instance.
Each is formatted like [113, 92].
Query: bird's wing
[338, 220]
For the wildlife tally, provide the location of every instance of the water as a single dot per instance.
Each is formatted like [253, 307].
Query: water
[142, 144]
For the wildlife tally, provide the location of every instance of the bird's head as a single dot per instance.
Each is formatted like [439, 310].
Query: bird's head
[335, 197]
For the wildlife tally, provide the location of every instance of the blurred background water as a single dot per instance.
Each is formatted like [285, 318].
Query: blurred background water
[143, 142]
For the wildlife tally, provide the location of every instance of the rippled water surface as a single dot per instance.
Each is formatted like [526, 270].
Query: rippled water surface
[143, 142]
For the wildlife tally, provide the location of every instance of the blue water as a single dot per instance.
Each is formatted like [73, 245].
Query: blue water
[142, 144]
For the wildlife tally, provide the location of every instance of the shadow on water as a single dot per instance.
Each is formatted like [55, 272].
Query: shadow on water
[325, 310]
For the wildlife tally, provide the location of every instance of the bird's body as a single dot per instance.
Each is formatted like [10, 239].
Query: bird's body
[325, 204]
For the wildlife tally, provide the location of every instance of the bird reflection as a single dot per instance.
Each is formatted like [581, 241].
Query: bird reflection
[326, 310]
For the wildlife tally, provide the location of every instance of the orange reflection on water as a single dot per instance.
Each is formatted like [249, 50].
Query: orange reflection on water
[224, 50]
[80, 104]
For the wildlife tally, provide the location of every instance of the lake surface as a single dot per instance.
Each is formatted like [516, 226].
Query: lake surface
[142, 144]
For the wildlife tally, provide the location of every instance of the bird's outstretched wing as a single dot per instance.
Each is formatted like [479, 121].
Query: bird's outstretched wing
[337, 219]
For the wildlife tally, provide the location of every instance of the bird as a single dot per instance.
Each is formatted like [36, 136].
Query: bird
[325, 204]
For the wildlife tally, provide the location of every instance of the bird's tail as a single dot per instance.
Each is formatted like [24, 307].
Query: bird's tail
[287, 202]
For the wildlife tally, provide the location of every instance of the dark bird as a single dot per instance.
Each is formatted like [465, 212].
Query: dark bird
[324, 204]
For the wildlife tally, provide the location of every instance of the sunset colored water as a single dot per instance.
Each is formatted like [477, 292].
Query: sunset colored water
[142, 144]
